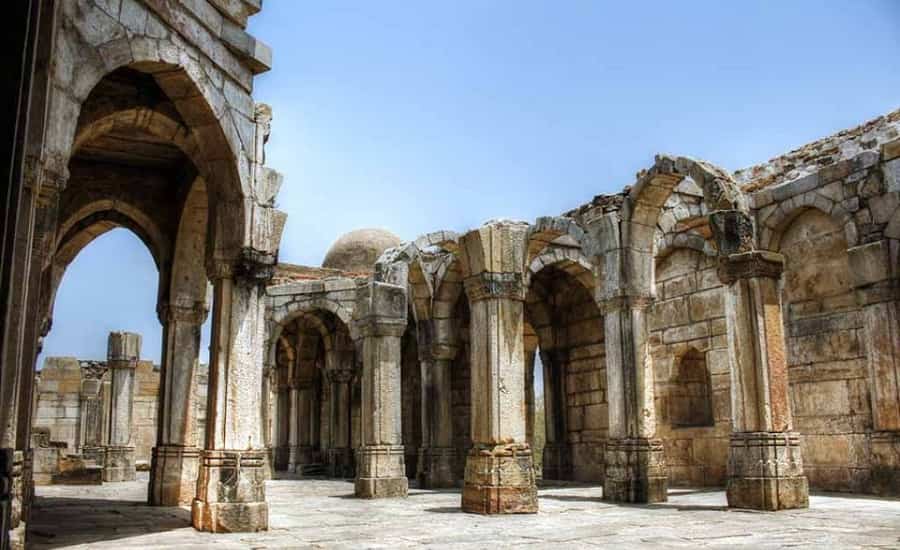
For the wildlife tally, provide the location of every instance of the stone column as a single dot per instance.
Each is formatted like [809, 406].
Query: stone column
[293, 426]
[282, 426]
[340, 453]
[529, 396]
[557, 460]
[635, 468]
[877, 291]
[123, 353]
[765, 468]
[381, 321]
[437, 455]
[305, 419]
[231, 493]
[91, 415]
[499, 476]
[176, 456]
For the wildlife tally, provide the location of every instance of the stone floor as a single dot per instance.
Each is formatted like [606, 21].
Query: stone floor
[323, 514]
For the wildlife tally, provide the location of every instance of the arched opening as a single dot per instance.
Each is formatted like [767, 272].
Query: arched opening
[689, 349]
[75, 382]
[825, 352]
[568, 331]
[316, 417]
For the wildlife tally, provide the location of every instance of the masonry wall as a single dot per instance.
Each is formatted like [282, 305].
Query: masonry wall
[688, 322]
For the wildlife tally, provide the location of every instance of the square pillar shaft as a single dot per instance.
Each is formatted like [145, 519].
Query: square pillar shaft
[381, 321]
[123, 353]
[765, 466]
[635, 468]
[231, 495]
[175, 459]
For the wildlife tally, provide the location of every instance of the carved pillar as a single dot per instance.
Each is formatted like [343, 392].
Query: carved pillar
[91, 417]
[340, 453]
[876, 291]
[529, 395]
[635, 461]
[557, 458]
[499, 476]
[123, 353]
[765, 467]
[437, 455]
[231, 494]
[176, 456]
[381, 321]
[293, 426]
[305, 420]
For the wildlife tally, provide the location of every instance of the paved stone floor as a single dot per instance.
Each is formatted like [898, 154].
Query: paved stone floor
[323, 514]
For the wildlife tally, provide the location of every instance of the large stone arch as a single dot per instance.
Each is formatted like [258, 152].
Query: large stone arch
[773, 225]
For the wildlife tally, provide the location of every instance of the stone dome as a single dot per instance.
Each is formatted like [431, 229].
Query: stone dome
[358, 250]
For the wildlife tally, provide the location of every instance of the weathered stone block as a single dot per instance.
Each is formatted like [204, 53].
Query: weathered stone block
[500, 480]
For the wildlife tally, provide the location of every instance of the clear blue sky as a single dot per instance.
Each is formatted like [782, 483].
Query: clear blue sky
[416, 116]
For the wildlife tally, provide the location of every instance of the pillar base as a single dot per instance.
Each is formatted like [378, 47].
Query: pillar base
[381, 472]
[231, 492]
[765, 472]
[885, 479]
[281, 458]
[17, 488]
[635, 471]
[300, 456]
[341, 463]
[95, 455]
[118, 464]
[173, 475]
[435, 468]
[500, 480]
[556, 463]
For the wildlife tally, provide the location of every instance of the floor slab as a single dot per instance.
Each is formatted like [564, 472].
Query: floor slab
[323, 514]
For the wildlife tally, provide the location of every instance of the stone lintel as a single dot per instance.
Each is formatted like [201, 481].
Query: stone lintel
[500, 480]
[380, 307]
[635, 471]
[765, 471]
[750, 265]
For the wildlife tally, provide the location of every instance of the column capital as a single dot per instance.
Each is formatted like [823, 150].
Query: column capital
[625, 302]
[380, 309]
[194, 315]
[750, 265]
[488, 285]
[123, 350]
[339, 376]
[250, 267]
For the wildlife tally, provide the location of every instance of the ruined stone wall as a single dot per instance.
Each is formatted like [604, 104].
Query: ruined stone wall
[58, 396]
[687, 322]
[146, 399]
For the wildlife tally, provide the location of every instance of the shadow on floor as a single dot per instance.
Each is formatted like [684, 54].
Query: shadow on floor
[61, 521]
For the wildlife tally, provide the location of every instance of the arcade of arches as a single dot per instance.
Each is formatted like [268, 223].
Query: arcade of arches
[699, 328]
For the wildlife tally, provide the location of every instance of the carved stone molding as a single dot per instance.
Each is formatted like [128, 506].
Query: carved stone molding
[750, 265]
[487, 285]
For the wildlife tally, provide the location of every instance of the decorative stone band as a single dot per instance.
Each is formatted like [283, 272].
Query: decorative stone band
[764, 455]
[381, 326]
[622, 303]
[45, 179]
[302, 384]
[750, 265]
[237, 460]
[487, 285]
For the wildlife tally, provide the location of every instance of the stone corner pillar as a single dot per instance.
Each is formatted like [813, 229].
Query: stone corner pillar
[499, 474]
[123, 353]
[437, 455]
[765, 465]
[175, 459]
[876, 286]
[231, 492]
[381, 320]
[635, 469]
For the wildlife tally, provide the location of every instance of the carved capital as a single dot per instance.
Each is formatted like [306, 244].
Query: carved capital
[622, 303]
[733, 232]
[487, 285]
[339, 376]
[252, 267]
[193, 315]
[750, 265]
